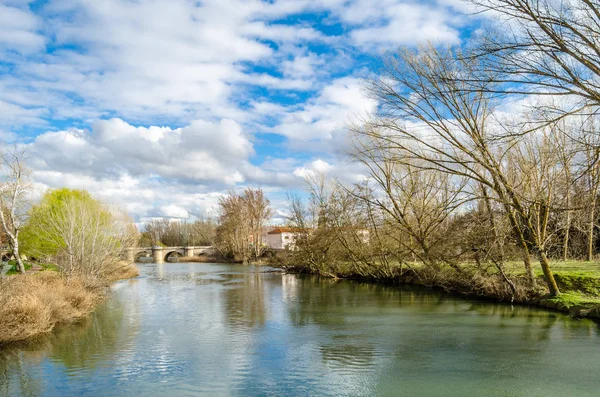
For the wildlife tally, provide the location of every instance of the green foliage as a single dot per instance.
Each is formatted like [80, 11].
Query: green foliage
[578, 281]
[28, 266]
[32, 239]
[568, 300]
[13, 267]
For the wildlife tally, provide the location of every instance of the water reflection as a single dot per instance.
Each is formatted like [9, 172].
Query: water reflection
[213, 329]
[245, 301]
[77, 348]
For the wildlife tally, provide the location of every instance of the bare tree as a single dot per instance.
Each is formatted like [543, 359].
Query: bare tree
[429, 114]
[259, 212]
[241, 224]
[547, 47]
[14, 188]
[175, 232]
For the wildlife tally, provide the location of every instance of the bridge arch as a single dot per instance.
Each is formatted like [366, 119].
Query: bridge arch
[169, 255]
[142, 254]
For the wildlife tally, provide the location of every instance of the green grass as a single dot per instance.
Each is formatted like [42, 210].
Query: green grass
[13, 265]
[588, 268]
[28, 266]
[577, 277]
[569, 300]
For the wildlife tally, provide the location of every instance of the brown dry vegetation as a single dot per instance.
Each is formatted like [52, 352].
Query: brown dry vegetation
[123, 271]
[34, 303]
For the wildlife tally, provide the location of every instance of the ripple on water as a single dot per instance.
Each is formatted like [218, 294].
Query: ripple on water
[228, 330]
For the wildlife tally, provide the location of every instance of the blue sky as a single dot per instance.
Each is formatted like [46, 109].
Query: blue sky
[162, 106]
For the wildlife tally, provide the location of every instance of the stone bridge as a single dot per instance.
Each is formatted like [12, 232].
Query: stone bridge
[162, 254]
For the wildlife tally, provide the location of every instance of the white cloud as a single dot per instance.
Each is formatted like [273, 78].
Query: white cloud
[11, 113]
[173, 211]
[317, 167]
[202, 152]
[226, 69]
[337, 104]
[181, 60]
[302, 66]
[408, 24]
[19, 30]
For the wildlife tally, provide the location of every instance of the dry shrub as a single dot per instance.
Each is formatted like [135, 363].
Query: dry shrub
[473, 282]
[123, 270]
[34, 303]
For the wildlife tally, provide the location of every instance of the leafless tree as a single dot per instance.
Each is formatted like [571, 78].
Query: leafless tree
[259, 212]
[14, 188]
[241, 222]
[175, 232]
[436, 121]
[546, 47]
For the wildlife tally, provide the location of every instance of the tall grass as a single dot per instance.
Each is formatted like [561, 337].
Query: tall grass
[33, 304]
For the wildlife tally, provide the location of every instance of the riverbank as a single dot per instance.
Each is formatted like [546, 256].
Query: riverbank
[580, 287]
[33, 304]
[206, 259]
[218, 259]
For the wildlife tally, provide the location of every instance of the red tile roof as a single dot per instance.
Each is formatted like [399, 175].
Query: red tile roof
[280, 230]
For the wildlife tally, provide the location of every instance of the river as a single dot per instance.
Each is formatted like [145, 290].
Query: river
[184, 329]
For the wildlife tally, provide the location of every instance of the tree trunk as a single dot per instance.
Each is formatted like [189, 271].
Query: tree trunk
[15, 247]
[523, 243]
[527, 263]
[565, 253]
[590, 242]
[550, 281]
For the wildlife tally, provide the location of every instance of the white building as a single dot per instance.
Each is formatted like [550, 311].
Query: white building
[281, 237]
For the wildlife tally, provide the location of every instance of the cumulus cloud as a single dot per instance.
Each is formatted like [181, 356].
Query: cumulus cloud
[408, 24]
[201, 152]
[160, 171]
[157, 106]
[338, 103]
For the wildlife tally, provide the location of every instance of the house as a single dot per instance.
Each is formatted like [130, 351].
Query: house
[279, 237]
[363, 235]
[282, 237]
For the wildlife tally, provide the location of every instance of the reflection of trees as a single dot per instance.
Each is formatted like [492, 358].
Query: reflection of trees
[245, 300]
[326, 302]
[423, 329]
[84, 346]
[14, 377]
[77, 345]
[348, 355]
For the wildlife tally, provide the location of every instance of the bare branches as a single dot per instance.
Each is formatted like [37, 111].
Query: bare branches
[177, 233]
[14, 188]
[546, 47]
[241, 223]
[81, 235]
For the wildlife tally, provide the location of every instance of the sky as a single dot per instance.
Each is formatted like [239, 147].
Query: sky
[163, 106]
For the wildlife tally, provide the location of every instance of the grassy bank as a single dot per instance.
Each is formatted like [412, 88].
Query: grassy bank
[33, 303]
[580, 286]
[579, 283]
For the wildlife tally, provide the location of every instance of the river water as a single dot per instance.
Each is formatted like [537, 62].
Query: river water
[226, 330]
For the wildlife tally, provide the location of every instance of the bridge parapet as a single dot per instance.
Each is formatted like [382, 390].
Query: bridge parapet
[161, 254]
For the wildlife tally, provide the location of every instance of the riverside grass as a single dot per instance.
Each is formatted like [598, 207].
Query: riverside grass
[32, 304]
[579, 282]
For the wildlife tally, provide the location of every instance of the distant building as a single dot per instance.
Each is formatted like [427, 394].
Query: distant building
[363, 235]
[282, 237]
